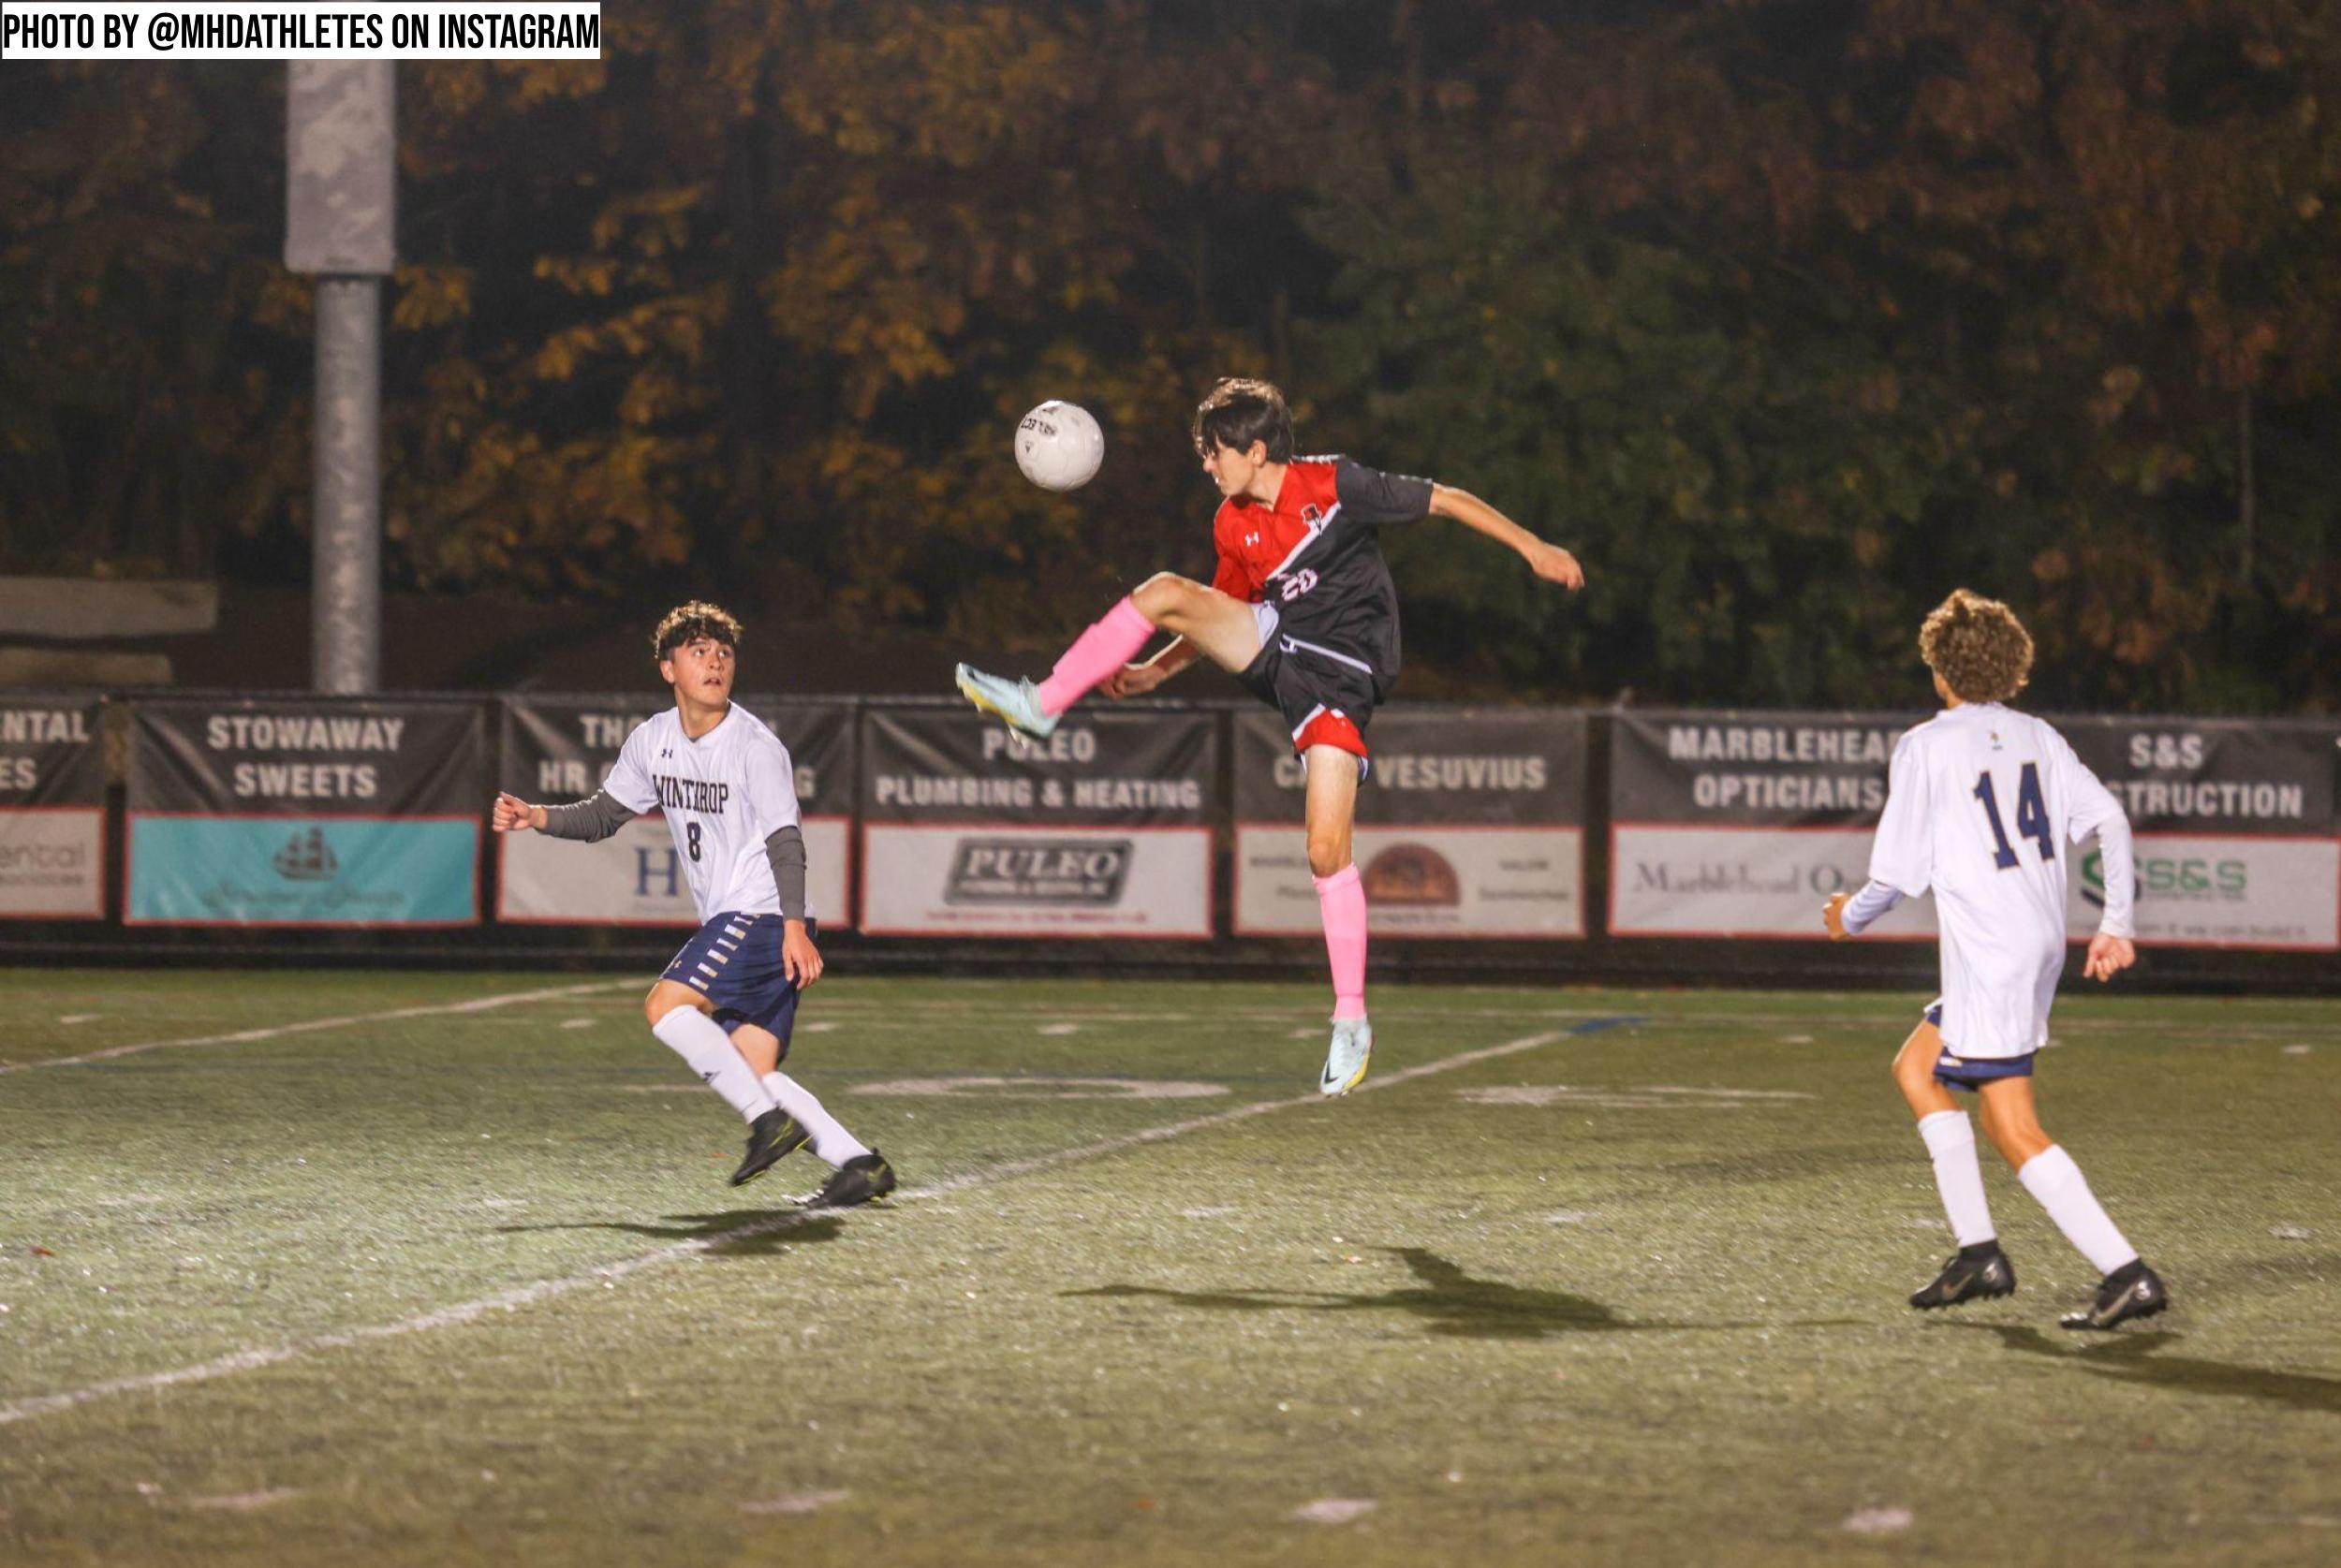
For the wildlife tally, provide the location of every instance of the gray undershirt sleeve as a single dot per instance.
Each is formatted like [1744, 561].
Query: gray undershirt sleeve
[590, 820]
[784, 847]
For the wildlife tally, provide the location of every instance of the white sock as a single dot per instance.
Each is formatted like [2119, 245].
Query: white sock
[2052, 1177]
[701, 1041]
[1951, 1139]
[830, 1141]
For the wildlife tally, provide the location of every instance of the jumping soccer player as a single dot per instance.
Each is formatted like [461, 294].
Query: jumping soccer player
[1302, 611]
[1978, 799]
[728, 1001]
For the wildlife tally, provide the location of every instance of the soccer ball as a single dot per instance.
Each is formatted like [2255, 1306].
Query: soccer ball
[1059, 446]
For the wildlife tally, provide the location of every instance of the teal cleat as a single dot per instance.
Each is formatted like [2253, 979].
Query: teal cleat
[1016, 701]
[1346, 1059]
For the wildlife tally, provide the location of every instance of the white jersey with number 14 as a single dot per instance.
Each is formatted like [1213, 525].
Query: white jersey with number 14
[1985, 805]
[724, 794]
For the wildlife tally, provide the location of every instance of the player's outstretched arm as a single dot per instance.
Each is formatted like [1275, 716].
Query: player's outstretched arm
[512, 815]
[1547, 559]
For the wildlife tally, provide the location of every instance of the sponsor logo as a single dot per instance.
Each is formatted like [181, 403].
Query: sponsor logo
[1413, 875]
[2175, 878]
[1718, 876]
[306, 858]
[1041, 871]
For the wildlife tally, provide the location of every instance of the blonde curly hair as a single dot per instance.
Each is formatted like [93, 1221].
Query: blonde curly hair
[1978, 646]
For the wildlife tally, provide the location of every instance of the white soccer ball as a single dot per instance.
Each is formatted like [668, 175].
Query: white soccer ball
[1059, 446]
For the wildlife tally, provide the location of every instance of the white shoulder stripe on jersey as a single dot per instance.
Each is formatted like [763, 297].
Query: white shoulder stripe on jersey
[1314, 529]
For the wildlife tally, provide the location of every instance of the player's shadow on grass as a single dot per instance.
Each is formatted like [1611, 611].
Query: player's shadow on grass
[1451, 1300]
[2136, 1358]
[787, 1228]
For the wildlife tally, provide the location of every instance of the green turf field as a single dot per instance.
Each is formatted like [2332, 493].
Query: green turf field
[432, 1269]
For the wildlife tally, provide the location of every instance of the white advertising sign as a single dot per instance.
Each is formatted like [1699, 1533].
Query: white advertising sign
[52, 863]
[2222, 892]
[1763, 882]
[1420, 880]
[931, 880]
[633, 877]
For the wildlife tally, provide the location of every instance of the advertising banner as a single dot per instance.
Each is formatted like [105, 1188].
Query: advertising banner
[1103, 829]
[1471, 824]
[53, 808]
[2235, 828]
[558, 749]
[1742, 823]
[306, 811]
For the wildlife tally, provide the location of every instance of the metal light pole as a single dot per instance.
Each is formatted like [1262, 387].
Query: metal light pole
[341, 207]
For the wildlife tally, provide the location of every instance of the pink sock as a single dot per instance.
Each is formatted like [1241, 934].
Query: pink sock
[1342, 896]
[1098, 652]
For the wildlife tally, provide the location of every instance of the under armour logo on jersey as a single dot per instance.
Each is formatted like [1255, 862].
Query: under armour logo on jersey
[1251, 538]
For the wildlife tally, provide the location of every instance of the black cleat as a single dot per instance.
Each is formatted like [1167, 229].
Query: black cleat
[2133, 1290]
[772, 1136]
[863, 1178]
[1966, 1277]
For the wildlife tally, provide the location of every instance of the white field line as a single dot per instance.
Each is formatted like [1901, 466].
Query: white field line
[608, 1273]
[1422, 1007]
[311, 1026]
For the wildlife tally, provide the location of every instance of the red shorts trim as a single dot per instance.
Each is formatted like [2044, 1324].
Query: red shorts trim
[1330, 726]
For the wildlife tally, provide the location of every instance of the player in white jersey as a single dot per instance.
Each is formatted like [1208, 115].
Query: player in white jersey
[1983, 805]
[728, 1001]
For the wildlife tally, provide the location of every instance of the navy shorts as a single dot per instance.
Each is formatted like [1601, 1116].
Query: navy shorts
[734, 961]
[1969, 1072]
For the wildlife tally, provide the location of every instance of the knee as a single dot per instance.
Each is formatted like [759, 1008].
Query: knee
[1328, 853]
[659, 1003]
[1164, 596]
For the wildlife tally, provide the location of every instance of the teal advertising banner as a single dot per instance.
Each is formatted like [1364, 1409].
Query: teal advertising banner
[305, 812]
[275, 871]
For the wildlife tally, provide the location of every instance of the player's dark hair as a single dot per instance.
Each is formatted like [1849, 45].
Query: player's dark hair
[1239, 412]
[1978, 646]
[688, 623]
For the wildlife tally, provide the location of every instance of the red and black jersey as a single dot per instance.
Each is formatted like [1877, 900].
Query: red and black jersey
[1315, 555]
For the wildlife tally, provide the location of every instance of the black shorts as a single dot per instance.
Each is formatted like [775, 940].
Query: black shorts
[1327, 697]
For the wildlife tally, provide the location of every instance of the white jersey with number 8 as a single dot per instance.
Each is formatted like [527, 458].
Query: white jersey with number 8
[723, 794]
[1984, 805]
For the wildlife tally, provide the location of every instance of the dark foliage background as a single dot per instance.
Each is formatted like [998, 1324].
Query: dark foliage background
[1787, 316]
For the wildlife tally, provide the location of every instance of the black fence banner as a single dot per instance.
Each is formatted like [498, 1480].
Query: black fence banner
[306, 811]
[2235, 825]
[1103, 829]
[559, 749]
[1742, 823]
[52, 806]
[1471, 824]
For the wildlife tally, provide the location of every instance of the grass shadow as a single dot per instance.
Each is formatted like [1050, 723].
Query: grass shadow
[1448, 1299]
[2139, 1359]
[768, 1231]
